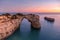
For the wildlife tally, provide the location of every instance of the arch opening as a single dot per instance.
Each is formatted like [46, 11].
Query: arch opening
[25, 25]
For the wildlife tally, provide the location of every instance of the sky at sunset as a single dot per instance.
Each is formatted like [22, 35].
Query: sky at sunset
[29, 5]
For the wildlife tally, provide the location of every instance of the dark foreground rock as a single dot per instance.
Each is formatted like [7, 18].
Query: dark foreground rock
[49, 19]
[9, 23]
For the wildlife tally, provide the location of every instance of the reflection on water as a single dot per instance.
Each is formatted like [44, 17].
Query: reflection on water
[48, 31]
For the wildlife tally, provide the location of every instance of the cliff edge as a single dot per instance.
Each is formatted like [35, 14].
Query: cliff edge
[9, 23]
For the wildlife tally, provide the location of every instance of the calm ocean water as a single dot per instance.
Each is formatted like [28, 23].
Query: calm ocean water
[48, 31]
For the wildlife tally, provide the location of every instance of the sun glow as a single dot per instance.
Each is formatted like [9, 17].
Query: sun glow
[56, 8]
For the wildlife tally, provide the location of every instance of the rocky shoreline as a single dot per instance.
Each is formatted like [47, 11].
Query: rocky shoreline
[9, 23]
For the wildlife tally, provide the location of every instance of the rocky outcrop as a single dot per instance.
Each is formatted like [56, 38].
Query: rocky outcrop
[34, 19]
[49, 19]
[9, 23]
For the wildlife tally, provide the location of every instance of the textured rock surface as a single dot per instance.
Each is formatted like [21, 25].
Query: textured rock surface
[34, 19]
[9, 23]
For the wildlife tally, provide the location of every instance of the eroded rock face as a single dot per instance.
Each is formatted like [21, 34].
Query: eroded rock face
[34, 19]
[9, 23]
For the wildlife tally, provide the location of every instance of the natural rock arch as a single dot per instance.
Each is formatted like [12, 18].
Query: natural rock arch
[9, 23]
[34, 20]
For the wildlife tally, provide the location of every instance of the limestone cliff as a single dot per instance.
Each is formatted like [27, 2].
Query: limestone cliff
[34, 19]
[9, 23]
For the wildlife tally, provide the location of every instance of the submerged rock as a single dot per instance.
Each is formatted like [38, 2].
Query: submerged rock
[9, 23]
[49, 19]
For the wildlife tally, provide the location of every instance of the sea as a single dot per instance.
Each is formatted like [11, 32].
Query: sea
[48, 31]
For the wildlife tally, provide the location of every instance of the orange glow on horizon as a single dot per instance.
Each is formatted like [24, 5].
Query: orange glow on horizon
[31, 9]
[30, 6]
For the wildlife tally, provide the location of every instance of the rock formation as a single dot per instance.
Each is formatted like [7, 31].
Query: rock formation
[49, 19]
[34, 19]
[9, 23]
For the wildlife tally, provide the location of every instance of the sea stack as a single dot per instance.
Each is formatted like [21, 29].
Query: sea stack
[9, 23]
[49, 19]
